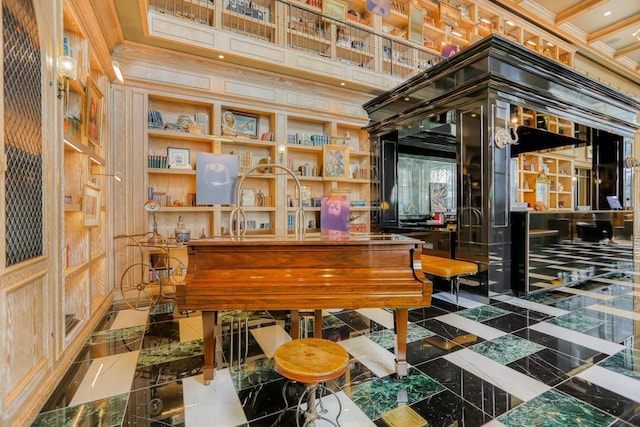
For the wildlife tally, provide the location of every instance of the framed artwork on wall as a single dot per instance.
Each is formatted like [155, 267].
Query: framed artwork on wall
[178, 157]
[335, 161]
[335, 9]
[91, 205]
[94, 110]
[239, 124]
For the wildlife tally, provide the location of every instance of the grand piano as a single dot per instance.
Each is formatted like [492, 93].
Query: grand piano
[310, 273]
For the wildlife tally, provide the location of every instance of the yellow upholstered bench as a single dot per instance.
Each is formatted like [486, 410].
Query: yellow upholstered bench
[448, 269]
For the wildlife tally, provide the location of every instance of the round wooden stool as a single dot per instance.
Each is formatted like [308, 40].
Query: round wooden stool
[312, 361]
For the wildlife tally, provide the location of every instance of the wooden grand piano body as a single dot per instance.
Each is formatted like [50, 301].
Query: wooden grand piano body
[285, 273]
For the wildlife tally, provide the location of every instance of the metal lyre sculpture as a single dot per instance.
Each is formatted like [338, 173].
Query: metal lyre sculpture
[238, 214]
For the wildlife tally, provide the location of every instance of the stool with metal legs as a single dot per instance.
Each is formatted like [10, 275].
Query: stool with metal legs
[312, 361]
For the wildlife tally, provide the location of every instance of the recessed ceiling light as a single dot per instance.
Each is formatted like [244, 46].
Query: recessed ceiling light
[406, 98]
[221, 56]
[607, 13]
[342, 83]
[485, 20]
[510, 23]
[549, 44]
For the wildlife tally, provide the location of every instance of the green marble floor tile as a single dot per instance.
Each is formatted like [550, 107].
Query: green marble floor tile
[482, 313]
[104, 412]
[387, 338]
[507, 348]
[577, 321]
[170, 352]
[383, 394]
[626, 362]
[111, 335]
[555, 409]
[251, 374]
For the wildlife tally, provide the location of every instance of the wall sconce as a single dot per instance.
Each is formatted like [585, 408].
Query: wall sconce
[67, 71]
[116, 175]
[117, 71]
[281, 152]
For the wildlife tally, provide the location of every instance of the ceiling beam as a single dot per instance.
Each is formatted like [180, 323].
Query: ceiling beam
[611, 29]
[577, 10]
[626, 50]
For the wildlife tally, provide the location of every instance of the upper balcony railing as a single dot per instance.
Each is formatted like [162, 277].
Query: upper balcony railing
[304, 28]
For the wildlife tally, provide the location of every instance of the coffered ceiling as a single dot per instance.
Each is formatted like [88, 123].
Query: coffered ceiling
[608, 30]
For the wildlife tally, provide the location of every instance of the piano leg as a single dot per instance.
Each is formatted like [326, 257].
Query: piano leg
[209, 325]
[400, 320]
[317, 324]
[295, 324]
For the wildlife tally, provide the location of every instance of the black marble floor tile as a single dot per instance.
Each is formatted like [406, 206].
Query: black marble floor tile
[445, 305]
[267, 398]
[359, 323]
[482, 394]
[418, 314]
[429, 348]
[450, 333]
[606, 400]
[163, 370]
[510, 322]
[548, 366]
[446, 409]
[522, 311]
[563, 346]
[161, 404]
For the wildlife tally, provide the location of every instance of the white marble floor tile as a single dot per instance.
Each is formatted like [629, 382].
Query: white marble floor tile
[596, 295]
[216, 404]
[130, 318]
[615, 311]
[351, 415]
[584, 340]
[542, 308]
[564, 267]
[107, 376]
[591, 262]
[618, 383]
[380, 361]
[471, 326]
[493, 423]
[520, 385]
[462, 301]
[190, 328]
[378, 315]
[270, 338]
[541, 276]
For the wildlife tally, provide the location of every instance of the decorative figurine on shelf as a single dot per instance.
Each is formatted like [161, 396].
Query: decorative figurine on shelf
[181, 233]
[260, 199]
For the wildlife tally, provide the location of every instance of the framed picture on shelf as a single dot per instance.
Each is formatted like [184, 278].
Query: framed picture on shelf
[93, 113]
[239, 124]
[335, 160]
[335, 9]
[178, 157]
[91, 204]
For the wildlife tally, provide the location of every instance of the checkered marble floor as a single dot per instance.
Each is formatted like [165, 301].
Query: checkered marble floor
[565, 357]
[568, 262]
